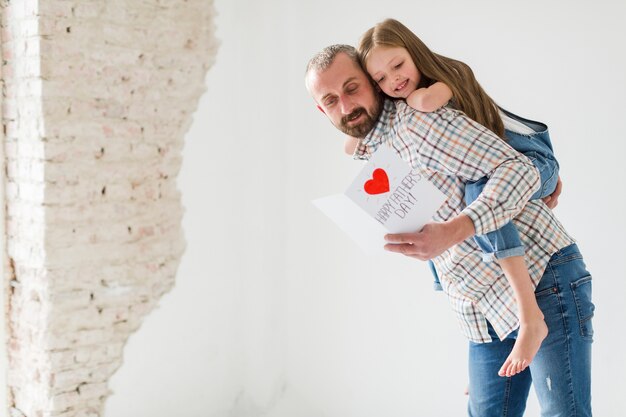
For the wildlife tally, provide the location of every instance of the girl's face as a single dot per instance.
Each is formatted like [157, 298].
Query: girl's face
[393, 70]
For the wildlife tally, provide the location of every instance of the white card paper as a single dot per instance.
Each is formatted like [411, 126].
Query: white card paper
[354, 221]
[387, 196]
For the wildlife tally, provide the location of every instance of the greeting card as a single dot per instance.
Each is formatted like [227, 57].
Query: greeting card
[387, 196]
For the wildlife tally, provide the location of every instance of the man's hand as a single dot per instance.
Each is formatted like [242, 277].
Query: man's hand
[432, 240]
[553, 199]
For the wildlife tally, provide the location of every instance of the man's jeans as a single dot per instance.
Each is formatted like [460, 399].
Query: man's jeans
[561, 370]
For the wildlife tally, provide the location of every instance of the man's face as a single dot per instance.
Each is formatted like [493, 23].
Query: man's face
[345, 94]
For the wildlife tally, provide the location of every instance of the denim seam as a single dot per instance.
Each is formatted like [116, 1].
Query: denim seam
[507, 397]
[526, 135]
[575, 286]
[548, 290]
[565, 259]
[559, 295]
[508, 253]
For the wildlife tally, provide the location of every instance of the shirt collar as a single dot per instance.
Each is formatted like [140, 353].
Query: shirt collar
[368, 145]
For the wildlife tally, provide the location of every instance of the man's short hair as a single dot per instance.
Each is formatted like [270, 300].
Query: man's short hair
[323, 59]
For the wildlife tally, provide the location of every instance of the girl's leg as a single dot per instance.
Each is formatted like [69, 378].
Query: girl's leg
[436, 282]
[532, 327]
[489, 394]
[505, 246]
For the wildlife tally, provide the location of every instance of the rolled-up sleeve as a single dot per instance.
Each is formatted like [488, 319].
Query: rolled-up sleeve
[453, 144]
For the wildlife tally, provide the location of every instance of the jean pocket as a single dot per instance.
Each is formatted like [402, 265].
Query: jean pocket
[581, 290]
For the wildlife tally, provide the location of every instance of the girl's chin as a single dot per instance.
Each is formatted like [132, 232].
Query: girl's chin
[402, 93]
[396, 95]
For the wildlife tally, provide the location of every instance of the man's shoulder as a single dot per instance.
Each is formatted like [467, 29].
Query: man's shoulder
[403, 109]
[405, 114]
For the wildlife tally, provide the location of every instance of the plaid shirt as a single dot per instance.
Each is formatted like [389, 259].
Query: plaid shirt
[450, 149]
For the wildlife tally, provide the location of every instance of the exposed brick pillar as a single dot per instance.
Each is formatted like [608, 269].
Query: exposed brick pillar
[98, 95]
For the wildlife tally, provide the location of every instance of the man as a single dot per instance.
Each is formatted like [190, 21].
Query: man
[450, 149]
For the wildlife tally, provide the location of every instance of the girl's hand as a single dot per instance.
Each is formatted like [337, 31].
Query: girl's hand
[553, 199]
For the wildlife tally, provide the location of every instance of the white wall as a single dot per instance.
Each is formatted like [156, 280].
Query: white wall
[276, 313]
[220, 329]
[3, 266]
[369, 337]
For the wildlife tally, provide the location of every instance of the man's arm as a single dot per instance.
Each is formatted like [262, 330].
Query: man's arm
[433, 239]
[455, 145]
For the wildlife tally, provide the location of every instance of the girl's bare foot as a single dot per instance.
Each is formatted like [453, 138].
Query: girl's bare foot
[528, 342]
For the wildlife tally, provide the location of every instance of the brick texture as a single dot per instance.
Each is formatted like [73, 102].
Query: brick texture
[97, 98]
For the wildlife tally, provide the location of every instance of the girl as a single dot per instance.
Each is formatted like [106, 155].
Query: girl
[404, 68]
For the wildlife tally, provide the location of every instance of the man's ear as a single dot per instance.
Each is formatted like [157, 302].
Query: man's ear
[321, 109]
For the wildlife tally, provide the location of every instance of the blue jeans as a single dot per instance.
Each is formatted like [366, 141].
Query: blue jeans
[505, 242]
[561, 370]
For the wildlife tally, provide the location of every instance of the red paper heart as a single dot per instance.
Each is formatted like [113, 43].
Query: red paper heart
[378, 184]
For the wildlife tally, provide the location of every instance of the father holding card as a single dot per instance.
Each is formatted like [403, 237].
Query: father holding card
[452, 150]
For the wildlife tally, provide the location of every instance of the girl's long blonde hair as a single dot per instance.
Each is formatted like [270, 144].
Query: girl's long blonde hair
[468, 95]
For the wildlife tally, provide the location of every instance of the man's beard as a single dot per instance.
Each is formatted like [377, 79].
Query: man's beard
[366, 125]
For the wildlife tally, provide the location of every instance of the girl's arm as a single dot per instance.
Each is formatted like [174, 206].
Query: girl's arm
[350, 145]
[430, 98]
